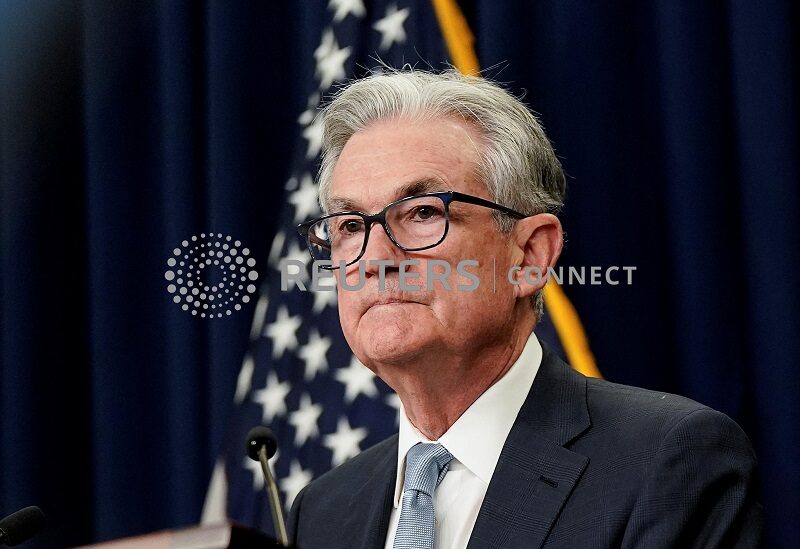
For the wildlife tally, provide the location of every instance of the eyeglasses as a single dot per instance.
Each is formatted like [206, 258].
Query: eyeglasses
[413, 223]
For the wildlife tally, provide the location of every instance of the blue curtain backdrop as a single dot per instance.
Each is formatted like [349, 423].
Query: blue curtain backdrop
[128, 126]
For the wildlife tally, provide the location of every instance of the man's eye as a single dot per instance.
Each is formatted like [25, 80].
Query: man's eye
[424, 213]
[351, 226]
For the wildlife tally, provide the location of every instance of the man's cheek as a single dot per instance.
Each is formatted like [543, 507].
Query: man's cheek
[468, 275]
[410, 276]
[438, 275]
[353, 278]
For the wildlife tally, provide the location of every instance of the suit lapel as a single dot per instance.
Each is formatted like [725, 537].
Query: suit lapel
[372, 502]
[535, 473]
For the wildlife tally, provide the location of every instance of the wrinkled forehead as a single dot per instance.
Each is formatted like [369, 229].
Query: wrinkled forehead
[393, 159]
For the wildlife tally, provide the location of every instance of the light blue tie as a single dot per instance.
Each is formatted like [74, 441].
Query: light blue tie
[426, 466]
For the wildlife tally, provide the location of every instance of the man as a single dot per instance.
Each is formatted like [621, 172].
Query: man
[501, 444]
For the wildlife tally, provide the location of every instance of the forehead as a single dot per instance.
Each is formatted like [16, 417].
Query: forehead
[395, 158]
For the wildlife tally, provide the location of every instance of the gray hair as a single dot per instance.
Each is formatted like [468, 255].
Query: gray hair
[517, 163]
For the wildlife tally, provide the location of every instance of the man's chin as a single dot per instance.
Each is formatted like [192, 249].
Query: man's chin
[391, 343]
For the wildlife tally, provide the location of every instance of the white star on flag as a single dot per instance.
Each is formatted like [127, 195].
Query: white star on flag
[357, 379]
[325, 46]
[304, 420]
[314, 353]
[391, 26]
[304, 199]
[297, 480]
[272, 398]
[306, 117]
[344, 443]
[330, 60]
[283, 331]
[313, 134]
[345, 7]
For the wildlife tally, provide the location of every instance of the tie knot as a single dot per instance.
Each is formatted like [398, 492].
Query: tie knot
[426, 466]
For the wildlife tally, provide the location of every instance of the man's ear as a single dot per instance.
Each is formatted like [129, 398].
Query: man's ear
[538, 241]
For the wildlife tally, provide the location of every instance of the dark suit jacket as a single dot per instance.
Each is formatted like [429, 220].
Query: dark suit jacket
[587, 463]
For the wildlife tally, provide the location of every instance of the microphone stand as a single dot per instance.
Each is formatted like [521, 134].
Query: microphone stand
[272, 494]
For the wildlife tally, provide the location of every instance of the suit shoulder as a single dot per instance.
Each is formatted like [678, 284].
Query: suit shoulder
[664, 467]
[636, 408]
[618, 393]
[631, 427]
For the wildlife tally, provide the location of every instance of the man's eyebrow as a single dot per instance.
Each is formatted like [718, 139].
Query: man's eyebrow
[420, 186]
[340, 204]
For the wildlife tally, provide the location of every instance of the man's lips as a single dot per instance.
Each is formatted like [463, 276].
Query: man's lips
[391, 301]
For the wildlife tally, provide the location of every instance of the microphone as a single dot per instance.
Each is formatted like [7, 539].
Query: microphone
[21, 526]
[262, 445]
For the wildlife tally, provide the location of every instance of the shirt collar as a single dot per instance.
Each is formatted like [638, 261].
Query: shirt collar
[488, 420]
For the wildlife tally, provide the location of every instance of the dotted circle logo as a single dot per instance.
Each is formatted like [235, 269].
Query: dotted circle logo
[211, 275]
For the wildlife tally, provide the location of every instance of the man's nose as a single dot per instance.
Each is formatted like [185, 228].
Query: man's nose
[381, 247]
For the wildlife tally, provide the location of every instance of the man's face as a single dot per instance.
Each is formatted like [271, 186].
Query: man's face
[390, 160]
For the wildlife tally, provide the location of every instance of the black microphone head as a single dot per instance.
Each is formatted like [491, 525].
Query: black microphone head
[21, 526]
[261, 436]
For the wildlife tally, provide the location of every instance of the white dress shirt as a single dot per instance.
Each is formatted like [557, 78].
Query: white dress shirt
[475, 440]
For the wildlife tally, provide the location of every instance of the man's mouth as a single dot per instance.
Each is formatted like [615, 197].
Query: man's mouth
[391, 301]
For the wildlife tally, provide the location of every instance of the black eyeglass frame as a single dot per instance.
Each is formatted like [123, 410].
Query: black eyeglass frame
[447, 197]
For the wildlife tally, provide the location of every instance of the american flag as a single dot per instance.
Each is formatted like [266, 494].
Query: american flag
[299, 377]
